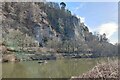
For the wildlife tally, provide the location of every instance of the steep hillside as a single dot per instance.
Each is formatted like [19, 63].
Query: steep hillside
[49, 25]
[41, 21]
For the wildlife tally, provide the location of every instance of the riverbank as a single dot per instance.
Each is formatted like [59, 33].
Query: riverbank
[102, 70]
[12, 54]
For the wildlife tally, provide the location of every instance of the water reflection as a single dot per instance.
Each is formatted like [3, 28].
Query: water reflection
[14, 70]
[55, 69]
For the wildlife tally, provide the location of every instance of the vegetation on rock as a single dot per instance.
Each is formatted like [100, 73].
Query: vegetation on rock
[44, 24]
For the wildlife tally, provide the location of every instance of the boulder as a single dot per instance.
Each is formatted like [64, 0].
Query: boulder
[9, 58]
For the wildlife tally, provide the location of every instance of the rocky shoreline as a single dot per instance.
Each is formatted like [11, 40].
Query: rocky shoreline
[7, 54]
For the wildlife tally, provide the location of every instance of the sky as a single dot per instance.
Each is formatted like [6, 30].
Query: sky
[101, 17]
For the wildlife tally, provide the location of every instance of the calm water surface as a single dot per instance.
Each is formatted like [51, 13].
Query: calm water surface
[55, 69]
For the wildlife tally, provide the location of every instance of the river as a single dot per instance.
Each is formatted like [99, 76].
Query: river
[64, 68]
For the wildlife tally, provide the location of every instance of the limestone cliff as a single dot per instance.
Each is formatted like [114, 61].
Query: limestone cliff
[47, 24]
[41, 21]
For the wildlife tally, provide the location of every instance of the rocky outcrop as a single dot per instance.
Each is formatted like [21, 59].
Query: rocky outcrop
[7, 54]
[41, 21]
[9, 58]
[45, 24]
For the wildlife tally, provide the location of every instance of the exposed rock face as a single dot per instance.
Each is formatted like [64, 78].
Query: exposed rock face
[9, 58]
[3, 49]
[45, 24]
[6, 54]
[41, 21]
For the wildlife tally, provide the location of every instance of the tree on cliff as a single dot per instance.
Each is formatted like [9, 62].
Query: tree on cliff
[63, 5]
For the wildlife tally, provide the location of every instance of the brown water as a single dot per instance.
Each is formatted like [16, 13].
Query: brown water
[52, 69]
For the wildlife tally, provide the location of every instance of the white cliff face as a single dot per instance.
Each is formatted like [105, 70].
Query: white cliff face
[38, 34]
[79, 33]
[42, 31]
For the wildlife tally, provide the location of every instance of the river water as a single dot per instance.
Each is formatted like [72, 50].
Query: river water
[64, 68]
